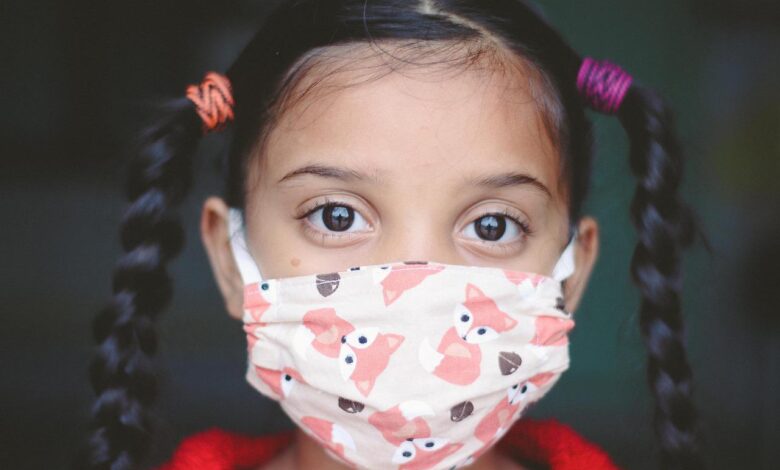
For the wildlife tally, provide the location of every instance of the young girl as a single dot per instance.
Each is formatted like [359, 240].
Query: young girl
[402, 236]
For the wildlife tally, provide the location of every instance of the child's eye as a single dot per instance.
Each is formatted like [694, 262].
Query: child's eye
[336, 217]
[496, 227]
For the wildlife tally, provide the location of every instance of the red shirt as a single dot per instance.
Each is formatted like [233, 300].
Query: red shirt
[546, 443]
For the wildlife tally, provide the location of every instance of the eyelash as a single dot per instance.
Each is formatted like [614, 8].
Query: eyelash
[328, 203]
[324, 236]
[524, 227]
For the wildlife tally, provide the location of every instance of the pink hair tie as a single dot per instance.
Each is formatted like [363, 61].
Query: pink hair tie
[603, 85]
[213, 98]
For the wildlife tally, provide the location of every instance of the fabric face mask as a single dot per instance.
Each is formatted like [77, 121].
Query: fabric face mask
[405, 365]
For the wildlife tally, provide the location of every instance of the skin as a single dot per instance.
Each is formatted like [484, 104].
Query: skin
[420, 143]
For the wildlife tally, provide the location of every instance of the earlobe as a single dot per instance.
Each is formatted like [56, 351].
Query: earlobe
[585, 256]
[216, 240]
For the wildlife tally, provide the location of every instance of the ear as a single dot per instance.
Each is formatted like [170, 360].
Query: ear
[394, 341]
[473, 292]
[585, 254]
[216, 239]
[365, 386]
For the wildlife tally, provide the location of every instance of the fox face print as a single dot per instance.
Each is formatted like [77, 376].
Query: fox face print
[458, 357]
[362, 354]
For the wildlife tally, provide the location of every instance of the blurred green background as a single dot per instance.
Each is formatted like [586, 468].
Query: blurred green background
[79, 77]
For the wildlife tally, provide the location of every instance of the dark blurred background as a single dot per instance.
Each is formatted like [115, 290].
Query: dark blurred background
[80, 76]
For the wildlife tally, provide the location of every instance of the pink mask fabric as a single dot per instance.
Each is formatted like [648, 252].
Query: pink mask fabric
[404, 365]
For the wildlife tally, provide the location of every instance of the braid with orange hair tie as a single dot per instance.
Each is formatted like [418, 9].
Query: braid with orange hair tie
[213, 98]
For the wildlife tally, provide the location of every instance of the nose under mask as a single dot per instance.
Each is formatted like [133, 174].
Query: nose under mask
[404, 365]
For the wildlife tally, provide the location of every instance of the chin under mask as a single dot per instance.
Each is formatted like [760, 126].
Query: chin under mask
[404, 365]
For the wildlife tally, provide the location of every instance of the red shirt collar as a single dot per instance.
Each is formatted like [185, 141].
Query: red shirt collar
[547, 443]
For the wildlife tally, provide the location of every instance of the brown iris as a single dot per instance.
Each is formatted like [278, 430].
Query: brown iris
[338, 218]
[490, 227]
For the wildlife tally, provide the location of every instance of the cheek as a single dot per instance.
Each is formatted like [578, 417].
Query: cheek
[316, 260]
[272, 236]
[281, 249]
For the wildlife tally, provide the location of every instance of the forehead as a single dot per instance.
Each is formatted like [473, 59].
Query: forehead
[415, 125]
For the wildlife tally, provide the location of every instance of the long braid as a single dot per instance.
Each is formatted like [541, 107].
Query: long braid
[121, 372]
[665, 226]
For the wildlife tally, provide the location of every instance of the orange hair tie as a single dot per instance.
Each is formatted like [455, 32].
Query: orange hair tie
[213, 98]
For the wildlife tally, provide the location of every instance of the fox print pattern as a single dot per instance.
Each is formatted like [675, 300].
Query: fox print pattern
[407, 365]
[280, 381]
[404, 426]
[332, 436]
[362, 353]
[498, 420]
[395, 280]
[477, 320]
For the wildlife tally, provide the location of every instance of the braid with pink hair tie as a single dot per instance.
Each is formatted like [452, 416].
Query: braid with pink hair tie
[603, 85]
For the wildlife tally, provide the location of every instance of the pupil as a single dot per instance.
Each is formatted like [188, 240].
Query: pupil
[338, 218]
[481, 331]
[464, 318]
[490, 227]
[525, 389]
[429, 444]
[407, 454]
[348, 359]
[287, 377]
[363, 340]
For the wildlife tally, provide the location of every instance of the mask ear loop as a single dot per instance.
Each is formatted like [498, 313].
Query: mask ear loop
[246, 264]
[565, 266]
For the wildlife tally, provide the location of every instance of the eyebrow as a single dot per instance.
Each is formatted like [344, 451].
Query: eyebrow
[324, 171]
[497, 181]
[504, 180]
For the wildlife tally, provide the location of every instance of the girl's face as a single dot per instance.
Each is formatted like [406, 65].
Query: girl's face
[457, 170]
